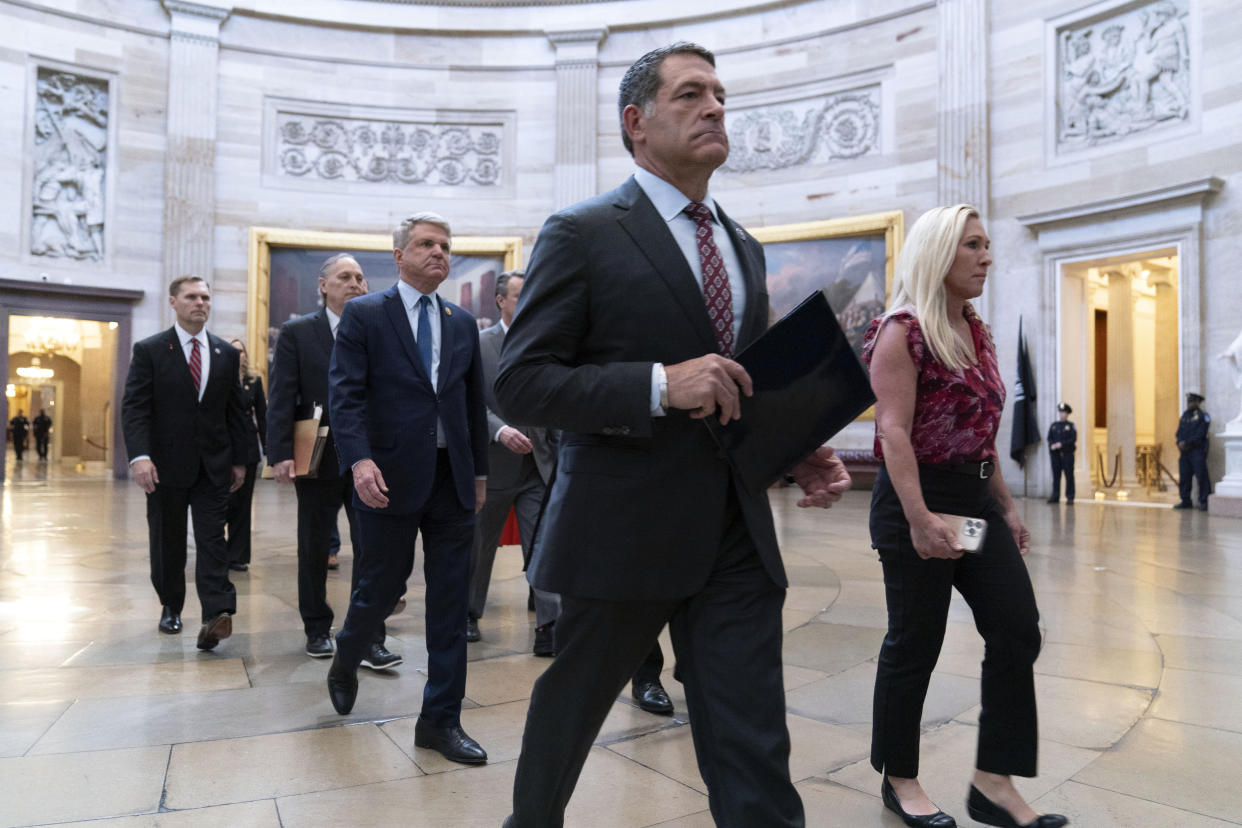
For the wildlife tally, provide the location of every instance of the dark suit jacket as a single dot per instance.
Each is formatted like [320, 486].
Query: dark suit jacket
[384, 407]
[504, 468]
[254, 404]
[298, 383]
[162, 416]
[638, 505]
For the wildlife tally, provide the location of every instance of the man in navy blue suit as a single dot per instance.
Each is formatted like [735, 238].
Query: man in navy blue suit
[406, 401]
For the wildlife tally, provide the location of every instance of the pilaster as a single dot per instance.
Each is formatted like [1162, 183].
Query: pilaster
[190, 155]
[577, 83]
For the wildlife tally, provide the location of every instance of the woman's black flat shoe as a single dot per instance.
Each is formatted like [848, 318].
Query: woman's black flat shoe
[937, 820]
[982, 809]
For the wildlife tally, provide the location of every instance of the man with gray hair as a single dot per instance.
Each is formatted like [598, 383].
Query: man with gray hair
[406, 396]
[299, 384]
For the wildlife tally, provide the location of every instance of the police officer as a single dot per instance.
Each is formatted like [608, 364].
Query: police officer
[1192, 442]
[20, 426]
[1062, 439]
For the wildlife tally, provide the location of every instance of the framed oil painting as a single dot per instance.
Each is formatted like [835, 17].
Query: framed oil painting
[850, 259]
[284, 276]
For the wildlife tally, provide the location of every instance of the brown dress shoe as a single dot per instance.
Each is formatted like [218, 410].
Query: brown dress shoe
[214, 630]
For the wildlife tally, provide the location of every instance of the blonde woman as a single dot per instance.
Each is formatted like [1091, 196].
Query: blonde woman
[939, 397]
[254, 403]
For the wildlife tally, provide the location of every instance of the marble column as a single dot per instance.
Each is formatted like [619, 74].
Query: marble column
[1168, 402]
[577, 99]
[1120, 421]
[962, 111]
[190, 156]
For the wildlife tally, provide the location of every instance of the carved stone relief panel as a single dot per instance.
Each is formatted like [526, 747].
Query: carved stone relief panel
[1123, 74]
[389, 151]
[70, 160]
[813, 130]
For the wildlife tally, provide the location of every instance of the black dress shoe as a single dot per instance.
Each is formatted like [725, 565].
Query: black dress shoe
[239, 567]
[472, 629]
[170, 622]
[1185, 504]
[214, 630]
[333, 563]
[319, 646]
[452, 743]
[937, 820]
[378, 658]
[545, 640]
[982, 809]
[1053, 500]
[651, 697]
[342, 687]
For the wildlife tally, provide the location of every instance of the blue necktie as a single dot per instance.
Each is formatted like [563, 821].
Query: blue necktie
[424, 335]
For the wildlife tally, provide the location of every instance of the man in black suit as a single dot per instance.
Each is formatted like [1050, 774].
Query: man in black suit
[42, 431]
[519, 464]
[406, 395]
[184, 430]
[634, 301]
[299, 382]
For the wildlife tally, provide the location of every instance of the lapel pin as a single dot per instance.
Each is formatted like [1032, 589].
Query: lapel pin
[217, 350]
[448, 311]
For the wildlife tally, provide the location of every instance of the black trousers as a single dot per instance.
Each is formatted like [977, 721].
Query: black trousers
[19, 445]
[166, 522]
[41, 444]
[738, 715]
[1062, 464]
[1192, 464]
[387, 560]
[238, 518]
[998, 589]
[319, 503]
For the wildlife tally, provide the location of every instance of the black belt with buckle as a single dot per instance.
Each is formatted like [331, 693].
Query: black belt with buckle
[982, 470]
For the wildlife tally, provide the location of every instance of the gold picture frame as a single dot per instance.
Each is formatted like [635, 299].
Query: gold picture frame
[504, 251]
[847, 258]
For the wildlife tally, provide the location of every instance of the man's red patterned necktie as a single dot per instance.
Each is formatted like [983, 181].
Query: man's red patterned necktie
[716, 292]
[196, 365]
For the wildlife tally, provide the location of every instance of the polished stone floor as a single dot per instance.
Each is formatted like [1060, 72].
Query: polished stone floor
[104, 721]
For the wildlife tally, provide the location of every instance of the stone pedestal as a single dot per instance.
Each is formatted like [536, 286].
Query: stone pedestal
[1226, 497]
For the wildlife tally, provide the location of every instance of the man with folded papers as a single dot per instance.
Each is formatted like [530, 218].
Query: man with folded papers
[406, 395]
[634, 303]
[299, 392]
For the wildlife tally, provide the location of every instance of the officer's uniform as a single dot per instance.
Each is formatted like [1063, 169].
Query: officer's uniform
[1063, 432]
[1192, 440]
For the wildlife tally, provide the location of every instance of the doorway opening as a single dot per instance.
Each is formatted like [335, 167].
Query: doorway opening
[1119, 368]
[61, 369]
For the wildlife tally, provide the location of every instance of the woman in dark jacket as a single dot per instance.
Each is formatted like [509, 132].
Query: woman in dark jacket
[255, 405]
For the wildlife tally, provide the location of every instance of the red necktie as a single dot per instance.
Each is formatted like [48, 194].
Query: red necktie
[716, 292]
[196, 365]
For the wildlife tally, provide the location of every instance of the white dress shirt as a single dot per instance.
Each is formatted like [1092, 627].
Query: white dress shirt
[409, 298]
[671, 203]
[334, 321]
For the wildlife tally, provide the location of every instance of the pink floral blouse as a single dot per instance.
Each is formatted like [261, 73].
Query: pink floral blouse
[956, 413]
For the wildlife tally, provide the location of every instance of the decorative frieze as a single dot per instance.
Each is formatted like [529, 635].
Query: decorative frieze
[70, 162]
[816, 130]
[1123, 74]
[379, 151]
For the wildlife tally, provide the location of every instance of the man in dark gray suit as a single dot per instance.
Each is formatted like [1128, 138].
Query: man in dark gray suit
[520, 463]
[634, 303]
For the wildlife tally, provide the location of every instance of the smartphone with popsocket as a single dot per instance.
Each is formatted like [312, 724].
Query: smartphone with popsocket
[970, 531]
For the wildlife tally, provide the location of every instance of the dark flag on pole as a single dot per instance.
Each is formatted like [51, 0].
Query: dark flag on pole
[1025, 429]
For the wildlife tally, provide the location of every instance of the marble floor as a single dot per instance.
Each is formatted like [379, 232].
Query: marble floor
[104, 721]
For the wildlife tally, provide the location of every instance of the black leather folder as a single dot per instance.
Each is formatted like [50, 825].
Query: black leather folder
[809, 384]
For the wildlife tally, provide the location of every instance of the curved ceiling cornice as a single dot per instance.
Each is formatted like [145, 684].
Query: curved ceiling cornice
[499, 16]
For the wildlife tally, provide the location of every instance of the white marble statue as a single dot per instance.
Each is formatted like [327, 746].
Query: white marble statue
[1234, 355]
